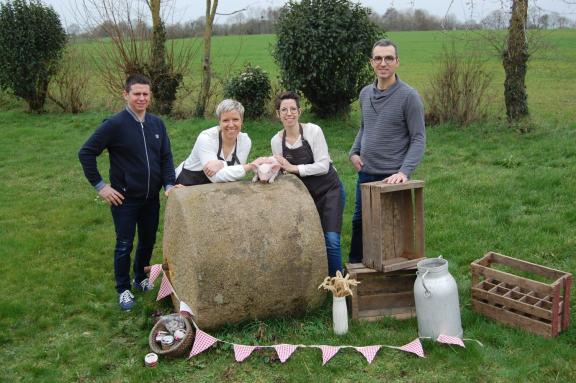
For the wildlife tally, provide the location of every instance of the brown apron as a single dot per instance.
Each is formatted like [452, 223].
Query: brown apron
[324, 189]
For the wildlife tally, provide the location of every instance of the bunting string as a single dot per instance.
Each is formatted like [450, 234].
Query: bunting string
[204, 341]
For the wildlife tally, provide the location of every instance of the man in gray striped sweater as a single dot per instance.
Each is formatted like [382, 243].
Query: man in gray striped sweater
[392, 138]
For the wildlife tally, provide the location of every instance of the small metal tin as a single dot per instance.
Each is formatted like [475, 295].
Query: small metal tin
[160, 335]
[167, 342]
[151, 360]
[179, 335]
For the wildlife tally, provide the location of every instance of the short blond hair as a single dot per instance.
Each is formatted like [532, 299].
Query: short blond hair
[229, 105]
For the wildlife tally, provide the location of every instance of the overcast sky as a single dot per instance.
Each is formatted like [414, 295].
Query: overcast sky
[187, 10]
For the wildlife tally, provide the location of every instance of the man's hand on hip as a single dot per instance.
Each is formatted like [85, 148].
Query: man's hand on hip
[357, 162]
[111, 195]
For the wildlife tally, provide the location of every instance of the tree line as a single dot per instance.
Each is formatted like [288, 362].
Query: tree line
[302, 29]
[263, 21]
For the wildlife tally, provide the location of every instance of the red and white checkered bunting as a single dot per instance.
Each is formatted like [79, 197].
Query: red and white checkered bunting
[185, 310]
[242, 352]
[414, 347]
[165, 288]
[154, 273]
[369, 352]
[284, 351]
[328, 352]
[447, 339]
[202, 341]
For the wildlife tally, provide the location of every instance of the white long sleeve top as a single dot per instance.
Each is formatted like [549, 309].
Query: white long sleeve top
[315, 137]
[205, 149]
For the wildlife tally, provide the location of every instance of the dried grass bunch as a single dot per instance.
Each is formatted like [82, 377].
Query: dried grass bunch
[339, 285]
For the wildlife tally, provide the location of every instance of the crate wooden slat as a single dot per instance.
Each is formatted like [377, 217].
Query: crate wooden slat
[392, 225]
[538, 307]
[381, 294]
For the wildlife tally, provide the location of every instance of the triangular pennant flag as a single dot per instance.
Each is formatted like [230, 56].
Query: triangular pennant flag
[414, 347]
[328, 352]
[242, 352]
[369, 352]
[447, 339]
[202, 341]
[165, 288]
[185, 310]
[154, 273]
[284, 351]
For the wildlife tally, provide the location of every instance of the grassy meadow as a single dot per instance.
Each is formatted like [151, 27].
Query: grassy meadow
[487, 188]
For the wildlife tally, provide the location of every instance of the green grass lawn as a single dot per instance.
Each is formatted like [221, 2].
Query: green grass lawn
[487, 188]
[551, 80]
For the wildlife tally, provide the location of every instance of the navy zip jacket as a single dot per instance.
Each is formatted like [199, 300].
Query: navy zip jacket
[140, 156]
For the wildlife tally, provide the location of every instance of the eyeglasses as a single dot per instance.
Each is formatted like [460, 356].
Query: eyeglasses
[389, 60]
[291, 110]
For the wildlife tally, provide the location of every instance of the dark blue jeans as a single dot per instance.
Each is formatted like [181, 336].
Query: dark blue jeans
[332, 239]
[134, 213]
[355, 255]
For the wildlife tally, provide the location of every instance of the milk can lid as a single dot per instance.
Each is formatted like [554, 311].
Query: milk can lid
[432, 265]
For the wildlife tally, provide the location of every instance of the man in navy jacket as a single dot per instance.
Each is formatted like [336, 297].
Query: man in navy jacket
[140, 164]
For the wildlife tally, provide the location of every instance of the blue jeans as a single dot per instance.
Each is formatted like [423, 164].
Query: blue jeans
[355, 255]
[332, 239]
[134, 213]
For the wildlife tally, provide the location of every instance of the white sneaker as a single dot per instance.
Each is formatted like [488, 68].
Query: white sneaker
[144, 285]
[126, 300]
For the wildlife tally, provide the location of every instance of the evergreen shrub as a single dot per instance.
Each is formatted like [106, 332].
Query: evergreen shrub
[32, 41]
[323, 49]
[252, 88]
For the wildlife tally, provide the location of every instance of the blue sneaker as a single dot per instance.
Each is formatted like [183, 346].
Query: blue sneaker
[144, 285]
[126, 300]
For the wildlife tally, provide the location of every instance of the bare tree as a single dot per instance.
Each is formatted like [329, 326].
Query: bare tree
[165, 80]
[211, 6]
[497, 19]
[515, 58]
[513, 48]
[124, 52]
[133, 49]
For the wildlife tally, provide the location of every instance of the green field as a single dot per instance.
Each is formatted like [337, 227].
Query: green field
[487, 188]
[551, 80]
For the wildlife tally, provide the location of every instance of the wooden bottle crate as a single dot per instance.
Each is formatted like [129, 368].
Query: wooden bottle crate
[381, 294]
[392, 225]
[535, 306]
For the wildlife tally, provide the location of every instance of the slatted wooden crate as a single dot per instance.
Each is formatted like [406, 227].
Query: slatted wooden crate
[535, 306]
[381, 294]
[392, 225]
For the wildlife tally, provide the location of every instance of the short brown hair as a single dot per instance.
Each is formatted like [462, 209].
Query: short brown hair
[136, 78]
[385, 43]
[288, 95]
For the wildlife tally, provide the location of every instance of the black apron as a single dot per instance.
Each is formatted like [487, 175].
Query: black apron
[198, 177]
[324, 189]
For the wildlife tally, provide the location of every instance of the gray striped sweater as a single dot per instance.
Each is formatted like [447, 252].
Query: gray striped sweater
[392, 136]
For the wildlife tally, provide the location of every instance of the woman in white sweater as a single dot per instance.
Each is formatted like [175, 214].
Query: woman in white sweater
[301, 149]
[219, 153]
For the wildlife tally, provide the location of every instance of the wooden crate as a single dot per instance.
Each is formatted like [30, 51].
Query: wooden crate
[392, 225]
[381, 294]
[538, 307]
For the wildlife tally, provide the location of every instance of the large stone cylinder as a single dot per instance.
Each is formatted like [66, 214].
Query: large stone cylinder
[243, 250]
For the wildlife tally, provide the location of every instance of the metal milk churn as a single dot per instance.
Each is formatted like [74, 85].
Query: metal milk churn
[436, 298]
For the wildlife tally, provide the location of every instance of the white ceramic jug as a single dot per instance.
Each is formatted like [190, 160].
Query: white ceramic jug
[436, 298]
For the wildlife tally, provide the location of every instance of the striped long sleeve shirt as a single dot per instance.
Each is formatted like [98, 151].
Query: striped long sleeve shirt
[392, 135]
